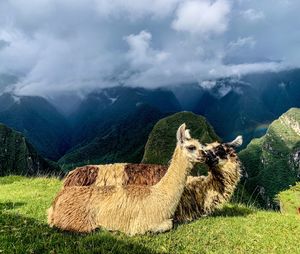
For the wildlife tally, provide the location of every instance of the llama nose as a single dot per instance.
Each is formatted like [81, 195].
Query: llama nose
[202, 154]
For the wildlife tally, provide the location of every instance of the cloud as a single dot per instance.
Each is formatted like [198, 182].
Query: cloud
[203, 17]
[252, 15]
[135, 9]
[3, 44]
[140, 53]
[242, 42]
[56, 46]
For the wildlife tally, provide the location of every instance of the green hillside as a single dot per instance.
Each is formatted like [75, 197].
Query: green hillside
[161, 141]
[17, 156]
[273, 161]
[290, 200]
[234, 229]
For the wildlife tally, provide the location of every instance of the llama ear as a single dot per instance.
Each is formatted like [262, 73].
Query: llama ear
[237, 142]
[188, 134]
[181, 136]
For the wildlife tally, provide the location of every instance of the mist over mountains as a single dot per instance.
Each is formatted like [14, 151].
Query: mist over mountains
[68, 123]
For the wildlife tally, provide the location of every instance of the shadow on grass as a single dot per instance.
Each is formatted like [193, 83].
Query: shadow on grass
[19, 234]
[10, 205]
[233, 211]
[10, 179]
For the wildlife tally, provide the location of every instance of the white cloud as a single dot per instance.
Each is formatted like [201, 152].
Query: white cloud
[208, 84]
[135, 9]
[242, 69]
[140, 53]
[253, 15]
[203, 17]
[242, 42]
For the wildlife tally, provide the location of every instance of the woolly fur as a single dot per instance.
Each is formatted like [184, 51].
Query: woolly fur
[201, 195]
[132, 209]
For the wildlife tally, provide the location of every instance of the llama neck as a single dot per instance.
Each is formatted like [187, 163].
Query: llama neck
[223, 178]
[174, 180]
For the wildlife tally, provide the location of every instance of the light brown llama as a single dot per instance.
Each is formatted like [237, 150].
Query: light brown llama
[131, 209]
[201, 196]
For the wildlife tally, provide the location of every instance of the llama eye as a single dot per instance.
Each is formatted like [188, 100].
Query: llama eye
[191, 148]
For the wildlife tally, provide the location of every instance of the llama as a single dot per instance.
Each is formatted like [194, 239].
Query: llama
[132, 209]
[201, 196]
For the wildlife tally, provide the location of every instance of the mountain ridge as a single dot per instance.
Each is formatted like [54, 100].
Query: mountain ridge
[18, 156]
[272, 162]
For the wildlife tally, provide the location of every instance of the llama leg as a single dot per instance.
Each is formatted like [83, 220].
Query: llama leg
[162, 227]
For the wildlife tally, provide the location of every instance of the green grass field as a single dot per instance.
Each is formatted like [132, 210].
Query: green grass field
[290, 200]
[234, 229]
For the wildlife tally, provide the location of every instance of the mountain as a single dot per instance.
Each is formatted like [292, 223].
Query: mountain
[7, 80]
[39, 121]
[242, 105]
[112, 105]
[236, 105]
[272, 162]
[18, 157]
[233, 107]
[121, 141]
[188, 95]
[162, 139]
[66, 103]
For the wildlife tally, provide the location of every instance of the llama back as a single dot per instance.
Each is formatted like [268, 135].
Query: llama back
[116, 175]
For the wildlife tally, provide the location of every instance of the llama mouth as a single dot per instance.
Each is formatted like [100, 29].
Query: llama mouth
[200, 159]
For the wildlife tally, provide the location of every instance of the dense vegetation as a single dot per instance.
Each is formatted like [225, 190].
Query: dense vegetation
[161, 142]
[233, 229]
[272, 162]
[17, 156]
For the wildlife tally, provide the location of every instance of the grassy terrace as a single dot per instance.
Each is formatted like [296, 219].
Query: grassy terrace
[290, 200]
[234, 229]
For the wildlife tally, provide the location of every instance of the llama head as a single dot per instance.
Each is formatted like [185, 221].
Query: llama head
[191, 147]
[219, 154]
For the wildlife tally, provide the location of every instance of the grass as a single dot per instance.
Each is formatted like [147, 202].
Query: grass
[290, 200]
[234, 229]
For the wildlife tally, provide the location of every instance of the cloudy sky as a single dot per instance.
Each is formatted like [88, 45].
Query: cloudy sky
[65, 45]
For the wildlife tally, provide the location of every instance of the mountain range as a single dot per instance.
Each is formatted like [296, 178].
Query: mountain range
[74, 130]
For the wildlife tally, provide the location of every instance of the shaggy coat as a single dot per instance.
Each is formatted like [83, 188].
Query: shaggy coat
[132, 209]
[201, 196]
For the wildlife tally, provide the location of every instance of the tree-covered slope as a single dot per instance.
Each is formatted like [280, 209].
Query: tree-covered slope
[17, 156]
[121, 141]
[273, 161]
[162, 139]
